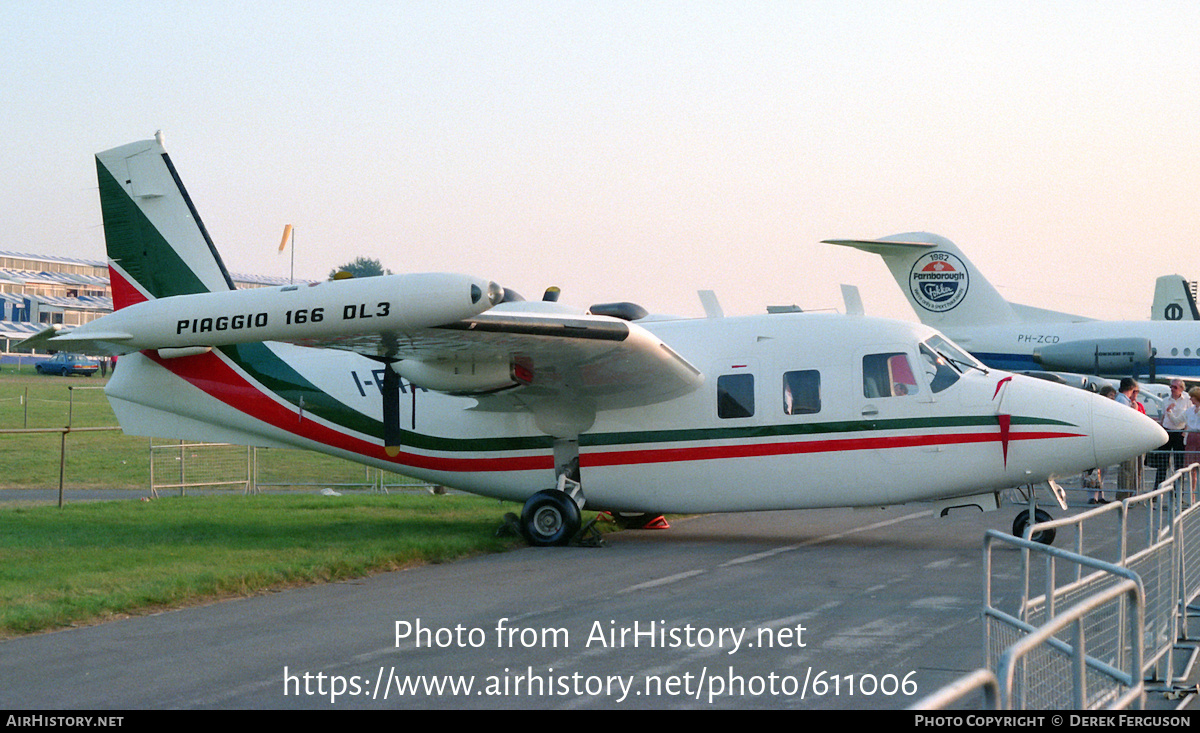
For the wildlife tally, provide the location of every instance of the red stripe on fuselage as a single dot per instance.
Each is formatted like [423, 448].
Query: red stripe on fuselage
[752, 450]
[211, 374]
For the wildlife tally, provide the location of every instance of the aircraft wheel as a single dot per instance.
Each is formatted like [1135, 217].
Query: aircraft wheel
[549, 518]
[1045, 537]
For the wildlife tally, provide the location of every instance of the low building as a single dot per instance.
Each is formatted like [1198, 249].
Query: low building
[41, 290]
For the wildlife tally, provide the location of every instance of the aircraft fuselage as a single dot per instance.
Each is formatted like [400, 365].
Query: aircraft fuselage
[1123, 345]
[797, 411]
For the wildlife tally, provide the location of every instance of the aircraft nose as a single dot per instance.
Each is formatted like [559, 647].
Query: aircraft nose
[1120, 432]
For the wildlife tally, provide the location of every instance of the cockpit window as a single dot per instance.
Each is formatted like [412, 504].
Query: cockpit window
[938, 370]
[888, 375]
[958, 358]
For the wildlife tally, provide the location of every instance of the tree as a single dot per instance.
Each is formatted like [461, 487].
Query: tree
[361, 267]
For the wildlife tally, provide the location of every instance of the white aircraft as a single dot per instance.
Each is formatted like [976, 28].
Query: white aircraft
[1173, 300]
[950, 294]
[443, 378]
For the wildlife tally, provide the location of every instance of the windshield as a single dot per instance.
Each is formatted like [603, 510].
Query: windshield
[938, 370]
[944, 362]
[953, 353]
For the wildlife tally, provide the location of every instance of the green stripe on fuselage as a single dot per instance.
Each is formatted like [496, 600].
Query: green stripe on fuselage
[264, 366]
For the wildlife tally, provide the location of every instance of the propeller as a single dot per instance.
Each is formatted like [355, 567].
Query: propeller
[391, 411]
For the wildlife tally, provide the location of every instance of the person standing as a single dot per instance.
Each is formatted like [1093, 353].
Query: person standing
[1169, 458]
[1129, 479]
[1094, 479]
[1192, 441]
[1127, 393]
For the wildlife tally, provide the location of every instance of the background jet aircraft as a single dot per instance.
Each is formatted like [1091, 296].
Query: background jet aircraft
[444, 378]
[950, 294]
[1173, 300]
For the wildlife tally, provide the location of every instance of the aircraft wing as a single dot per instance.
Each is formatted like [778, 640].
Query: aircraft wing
[444, 332]
[607, 362]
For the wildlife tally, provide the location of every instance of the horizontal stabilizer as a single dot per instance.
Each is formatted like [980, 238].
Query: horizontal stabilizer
[96, 343]
[41, 339]
[880, 246]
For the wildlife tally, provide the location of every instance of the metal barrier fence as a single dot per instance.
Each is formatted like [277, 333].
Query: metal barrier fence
[1114, 657]
[1163, 546]
[1033, 672]
[1139, 533]
[180, 465]
[980, 681]
[1187, 532]
[278, 467]
[62, 446]
[1126, 613]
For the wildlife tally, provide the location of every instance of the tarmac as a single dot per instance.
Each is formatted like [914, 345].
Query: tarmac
[818, 609]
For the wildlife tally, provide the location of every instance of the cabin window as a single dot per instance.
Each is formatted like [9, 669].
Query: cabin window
[888, 375]
[735, 395]
[802, 392]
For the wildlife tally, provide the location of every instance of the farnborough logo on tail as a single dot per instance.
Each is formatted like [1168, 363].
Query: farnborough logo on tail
[938, 281]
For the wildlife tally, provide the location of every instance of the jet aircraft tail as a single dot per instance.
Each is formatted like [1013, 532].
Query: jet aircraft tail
[943, 287]
[1173, 300]
[157, 244]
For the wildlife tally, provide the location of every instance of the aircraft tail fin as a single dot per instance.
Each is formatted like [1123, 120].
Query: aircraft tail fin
[157, 244]
[943, 287]
[1173, 300]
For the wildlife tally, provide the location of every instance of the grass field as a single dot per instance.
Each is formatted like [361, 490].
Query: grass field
[90, 561]
[110, 459]
[94, 460]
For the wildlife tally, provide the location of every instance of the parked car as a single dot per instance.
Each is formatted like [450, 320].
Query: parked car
[65, 365]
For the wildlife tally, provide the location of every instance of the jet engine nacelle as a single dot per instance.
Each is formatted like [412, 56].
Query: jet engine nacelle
[1102, 357]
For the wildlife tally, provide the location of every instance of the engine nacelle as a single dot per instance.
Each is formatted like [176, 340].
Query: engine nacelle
[1102, 357]
[460, 377]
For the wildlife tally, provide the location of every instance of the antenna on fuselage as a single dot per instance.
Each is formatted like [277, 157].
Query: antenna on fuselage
[712, 307]
[853, 300]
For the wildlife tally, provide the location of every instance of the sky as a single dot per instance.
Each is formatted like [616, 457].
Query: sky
[631, 150]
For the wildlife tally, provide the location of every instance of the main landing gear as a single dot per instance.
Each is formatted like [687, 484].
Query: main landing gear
[552, 517]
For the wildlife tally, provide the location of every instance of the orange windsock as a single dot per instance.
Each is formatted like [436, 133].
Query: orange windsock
[287, 234]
